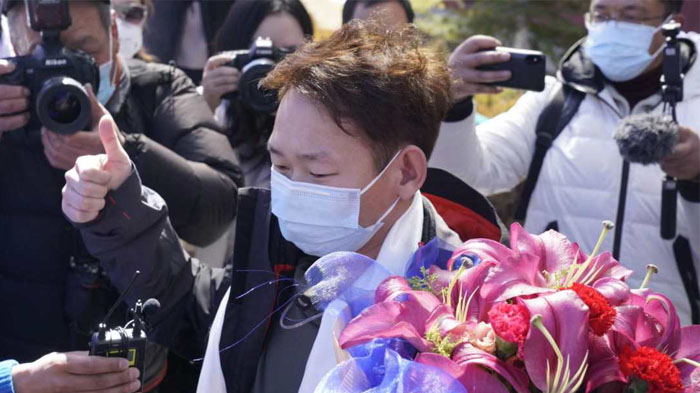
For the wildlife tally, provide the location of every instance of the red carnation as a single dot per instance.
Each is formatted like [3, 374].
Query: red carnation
[510, 322]
[601, 315]
[652, 367]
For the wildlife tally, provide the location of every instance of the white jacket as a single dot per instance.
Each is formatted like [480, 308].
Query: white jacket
[580, 181]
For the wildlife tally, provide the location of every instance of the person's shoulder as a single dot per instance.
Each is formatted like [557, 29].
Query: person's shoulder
[150, 73]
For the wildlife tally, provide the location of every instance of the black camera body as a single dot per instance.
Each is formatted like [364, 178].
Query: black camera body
[127, 342]
[54, 74]
[254, 64]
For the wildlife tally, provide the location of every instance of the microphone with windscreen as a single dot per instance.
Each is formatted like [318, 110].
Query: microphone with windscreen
[647, 139]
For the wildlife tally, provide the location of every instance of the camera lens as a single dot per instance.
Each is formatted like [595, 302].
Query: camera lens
[63, 105]
[533, 60]
[252, 94]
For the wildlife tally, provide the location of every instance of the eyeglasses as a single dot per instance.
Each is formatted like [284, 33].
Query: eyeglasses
[132, 13]
[597, 17]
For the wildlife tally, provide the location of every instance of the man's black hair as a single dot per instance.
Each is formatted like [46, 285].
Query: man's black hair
[245, 17]
[351, 5]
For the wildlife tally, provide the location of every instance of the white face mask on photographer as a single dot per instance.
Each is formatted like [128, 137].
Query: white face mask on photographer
[130, 38]
[322, 219]
[107, 76]
[620, 49]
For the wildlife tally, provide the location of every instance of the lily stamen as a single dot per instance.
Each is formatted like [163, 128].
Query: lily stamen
[687, 361]
[447, 297]
[607, 227]
[567, 383]
[651, 270]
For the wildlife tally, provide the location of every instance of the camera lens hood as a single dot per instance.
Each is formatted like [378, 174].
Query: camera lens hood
[63, 105]
[257, 98]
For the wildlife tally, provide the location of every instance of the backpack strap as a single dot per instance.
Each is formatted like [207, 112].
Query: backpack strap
[563, 104]
[258, 248]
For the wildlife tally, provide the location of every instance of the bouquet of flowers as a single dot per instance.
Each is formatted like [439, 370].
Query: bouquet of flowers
[538, 316]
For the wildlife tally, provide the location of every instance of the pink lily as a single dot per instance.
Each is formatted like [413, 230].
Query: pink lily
[555, 356]
[399, 312]
[544, 263]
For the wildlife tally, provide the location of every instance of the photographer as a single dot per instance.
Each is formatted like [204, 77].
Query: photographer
[287, 24]
[613, 73]
[170, 135]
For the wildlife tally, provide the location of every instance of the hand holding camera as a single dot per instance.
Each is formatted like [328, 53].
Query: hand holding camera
[75, 371]
[14, 102]
[238, 73]
[50, 80]
[218, 80]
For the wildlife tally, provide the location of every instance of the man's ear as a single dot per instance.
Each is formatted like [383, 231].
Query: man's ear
[414, 168]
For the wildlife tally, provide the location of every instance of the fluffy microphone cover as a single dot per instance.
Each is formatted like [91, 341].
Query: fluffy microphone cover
[646, 138]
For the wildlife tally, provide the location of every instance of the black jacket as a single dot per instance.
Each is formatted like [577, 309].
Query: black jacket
[50, 288]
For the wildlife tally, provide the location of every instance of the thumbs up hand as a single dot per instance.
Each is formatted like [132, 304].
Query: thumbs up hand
[93, 176]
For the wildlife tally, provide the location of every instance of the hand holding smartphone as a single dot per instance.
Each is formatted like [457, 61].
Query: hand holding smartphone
[527, 69]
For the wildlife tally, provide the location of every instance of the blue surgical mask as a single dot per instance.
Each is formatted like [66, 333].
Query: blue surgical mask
[107, 87]
[322, 219]
[620, 49]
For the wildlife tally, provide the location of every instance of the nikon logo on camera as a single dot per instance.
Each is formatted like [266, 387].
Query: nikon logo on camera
[55, 62]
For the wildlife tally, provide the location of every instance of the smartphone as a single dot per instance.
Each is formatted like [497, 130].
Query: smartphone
[527, 69]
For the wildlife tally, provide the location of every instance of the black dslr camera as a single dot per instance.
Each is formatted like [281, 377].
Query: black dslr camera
[54, 74]
[129, 341]
[254, 65]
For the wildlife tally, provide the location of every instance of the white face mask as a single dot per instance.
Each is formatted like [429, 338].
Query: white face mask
[107, 76]
[322, 219]
[130, 38]
[620, 49]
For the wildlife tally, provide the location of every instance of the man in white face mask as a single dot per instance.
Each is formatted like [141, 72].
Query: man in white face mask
[610, 74]
[358, 117]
